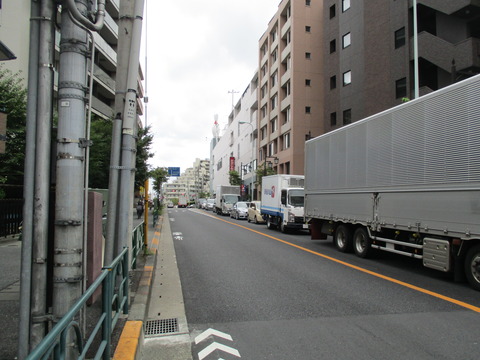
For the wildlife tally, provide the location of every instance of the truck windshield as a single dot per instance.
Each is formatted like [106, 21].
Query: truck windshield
[231, 199]
[296, 197]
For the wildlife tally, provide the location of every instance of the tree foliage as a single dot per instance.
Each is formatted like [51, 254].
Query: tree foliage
[263, 171]
[144, 143]
[99, 165]
[234, 178]
[159, 175]
[13, 102]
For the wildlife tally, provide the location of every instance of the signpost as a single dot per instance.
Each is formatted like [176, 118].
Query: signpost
[173, 171]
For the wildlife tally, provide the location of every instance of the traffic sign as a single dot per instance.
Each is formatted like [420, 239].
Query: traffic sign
[173, 171]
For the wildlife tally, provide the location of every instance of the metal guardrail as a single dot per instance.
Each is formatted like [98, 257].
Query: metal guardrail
[114, 281]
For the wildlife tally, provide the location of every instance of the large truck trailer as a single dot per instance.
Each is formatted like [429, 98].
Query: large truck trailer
[406, 180]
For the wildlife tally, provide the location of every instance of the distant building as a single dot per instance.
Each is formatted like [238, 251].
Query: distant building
[236, 148]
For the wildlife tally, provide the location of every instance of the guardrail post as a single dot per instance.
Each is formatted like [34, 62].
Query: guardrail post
[107, 310]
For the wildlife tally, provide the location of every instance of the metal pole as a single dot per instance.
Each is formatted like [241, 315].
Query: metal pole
[29, 183]
[42, 172]
[124, 42]
[129, 133]
[68, 249]
[415, 50]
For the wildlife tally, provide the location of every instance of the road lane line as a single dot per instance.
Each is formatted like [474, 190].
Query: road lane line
[402, 283]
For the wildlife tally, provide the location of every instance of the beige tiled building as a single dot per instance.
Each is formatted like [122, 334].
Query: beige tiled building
[290, 96]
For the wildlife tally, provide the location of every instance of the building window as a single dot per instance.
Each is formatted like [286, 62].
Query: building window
[308, 110]
[333, 46]
[286, 141]
[400, 38]
[273, 35]
[275, 55]
[263, 132]
[345, 5]
[274, 101]
[273, 125]
[272, 148]
[308, 82]
[332, 11]
[264, 111]
[286, 89]
[347, 116]
[401, 88]
[286, 116]
[333, 82]
[347, 78]
[273, 79]
[346, 40]
[263, 91]
[308, 55]
[333, 119]
[308, 29]
[307, 2]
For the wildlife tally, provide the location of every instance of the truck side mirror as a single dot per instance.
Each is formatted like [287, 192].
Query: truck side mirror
[283, 198]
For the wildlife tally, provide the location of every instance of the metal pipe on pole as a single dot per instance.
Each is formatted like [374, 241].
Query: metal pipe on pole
[28, 189]
[46, 56]
[129, 133]
[415, 51]
[125, 26]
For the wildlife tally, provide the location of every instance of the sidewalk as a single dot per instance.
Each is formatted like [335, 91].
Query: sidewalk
[157, 326]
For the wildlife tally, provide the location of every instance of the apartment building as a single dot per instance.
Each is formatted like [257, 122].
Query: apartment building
[192, 183]
[236, 148]
[290, 97]
[369, 58]
[14, 29]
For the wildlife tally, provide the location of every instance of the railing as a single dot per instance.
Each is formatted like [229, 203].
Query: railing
[114, 281]
[113, 302]
[137, 243]
[10, 216]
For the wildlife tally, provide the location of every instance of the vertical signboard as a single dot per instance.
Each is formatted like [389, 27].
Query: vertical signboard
[232, 163]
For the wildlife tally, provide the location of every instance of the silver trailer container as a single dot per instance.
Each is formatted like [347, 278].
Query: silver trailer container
[406, 180]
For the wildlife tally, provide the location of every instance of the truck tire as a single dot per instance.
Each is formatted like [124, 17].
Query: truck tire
[472, 267]
[343, 238]
[283, 228]
[270, 225]
[362, 243]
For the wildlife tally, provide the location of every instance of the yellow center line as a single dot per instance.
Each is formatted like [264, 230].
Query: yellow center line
[402, 283]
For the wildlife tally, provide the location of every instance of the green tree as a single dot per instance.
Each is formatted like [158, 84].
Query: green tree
[13, 102]
[261, 172]
[144, 143]
[159, 176]
[99, 165]
[234, 178]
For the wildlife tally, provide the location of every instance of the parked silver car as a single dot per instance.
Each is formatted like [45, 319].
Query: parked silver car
[210, 204]
[239, 210]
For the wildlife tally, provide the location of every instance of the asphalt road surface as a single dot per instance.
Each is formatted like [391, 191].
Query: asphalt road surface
[284, 296]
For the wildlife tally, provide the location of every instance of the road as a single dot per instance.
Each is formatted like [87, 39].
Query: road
[283, 296]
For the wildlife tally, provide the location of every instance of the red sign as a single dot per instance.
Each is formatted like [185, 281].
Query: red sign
[232, 163]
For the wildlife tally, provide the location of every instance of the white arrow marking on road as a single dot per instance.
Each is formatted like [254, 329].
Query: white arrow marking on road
[209, 332]
[214, 346]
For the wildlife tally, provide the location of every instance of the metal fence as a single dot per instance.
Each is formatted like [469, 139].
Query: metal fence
[114, 281]
[11, 215]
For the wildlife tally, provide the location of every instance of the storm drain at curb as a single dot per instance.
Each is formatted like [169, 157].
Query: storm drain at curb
[161, 327]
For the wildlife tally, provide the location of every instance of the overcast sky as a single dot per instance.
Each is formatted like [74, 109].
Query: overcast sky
[197, 51]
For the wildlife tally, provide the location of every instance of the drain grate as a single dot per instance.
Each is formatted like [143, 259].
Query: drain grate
[161, 327]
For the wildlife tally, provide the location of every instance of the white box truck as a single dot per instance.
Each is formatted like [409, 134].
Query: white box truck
[282, 202]
[406, 180]
[225, 197]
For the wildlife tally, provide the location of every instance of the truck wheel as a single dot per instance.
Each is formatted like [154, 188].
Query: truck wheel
[472, 267]
[283, 228]
[343, 238]
[270, 225]
[361, 243]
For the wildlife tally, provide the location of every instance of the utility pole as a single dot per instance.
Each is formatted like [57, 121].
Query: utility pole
[233, 92]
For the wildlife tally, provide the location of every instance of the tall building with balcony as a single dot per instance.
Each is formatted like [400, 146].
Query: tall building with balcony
[290, 96]
[369, 53]
[15, 25]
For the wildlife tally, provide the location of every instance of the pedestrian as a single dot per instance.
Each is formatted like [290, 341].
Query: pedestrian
[139, 209]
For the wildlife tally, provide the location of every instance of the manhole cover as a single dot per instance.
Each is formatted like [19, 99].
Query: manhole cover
[161, 327]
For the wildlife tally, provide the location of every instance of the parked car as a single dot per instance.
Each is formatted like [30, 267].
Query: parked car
[239, 210]
[254, 213]
[201, 203]
[210, 204]
[170, 204]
